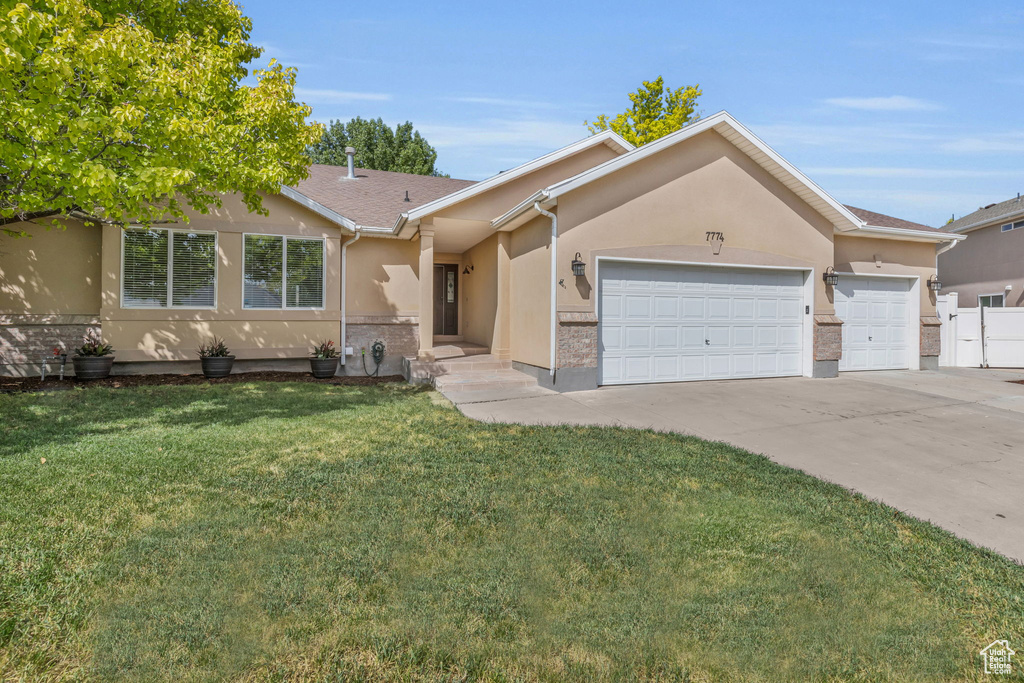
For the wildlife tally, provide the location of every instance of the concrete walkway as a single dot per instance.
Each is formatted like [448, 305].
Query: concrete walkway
[945, 446]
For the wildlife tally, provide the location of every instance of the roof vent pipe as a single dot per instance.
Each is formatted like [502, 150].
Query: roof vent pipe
[350, 152]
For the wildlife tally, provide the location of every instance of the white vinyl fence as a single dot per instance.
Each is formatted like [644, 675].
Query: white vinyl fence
[980, 337]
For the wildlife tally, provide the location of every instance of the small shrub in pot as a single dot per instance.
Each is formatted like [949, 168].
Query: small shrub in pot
[216, 358]
[324, 360]
[93, 359]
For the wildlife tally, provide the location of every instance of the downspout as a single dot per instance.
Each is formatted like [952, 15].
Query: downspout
[344, 278]
[939, 251]
[554, 283]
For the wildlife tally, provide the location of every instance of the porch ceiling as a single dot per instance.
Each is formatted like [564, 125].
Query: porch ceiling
[456, 235]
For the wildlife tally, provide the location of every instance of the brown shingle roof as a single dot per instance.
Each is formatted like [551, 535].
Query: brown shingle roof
[375, 198]
[880, 220]
[991, 213]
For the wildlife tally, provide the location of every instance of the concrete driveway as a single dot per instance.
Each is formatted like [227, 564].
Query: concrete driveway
[945, 446]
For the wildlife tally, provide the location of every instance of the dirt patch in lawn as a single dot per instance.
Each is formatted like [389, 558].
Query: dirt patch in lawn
[20, 384]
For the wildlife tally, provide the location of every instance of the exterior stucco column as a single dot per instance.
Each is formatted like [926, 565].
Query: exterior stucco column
[426, 350]
[501, 347]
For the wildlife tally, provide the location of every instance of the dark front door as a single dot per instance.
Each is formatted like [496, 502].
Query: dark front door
[446, 299]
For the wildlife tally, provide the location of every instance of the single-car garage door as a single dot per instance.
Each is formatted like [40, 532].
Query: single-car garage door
[666, 323]
[874, 312]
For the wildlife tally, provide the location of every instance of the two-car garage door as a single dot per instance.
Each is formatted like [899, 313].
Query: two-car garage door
[668, 323]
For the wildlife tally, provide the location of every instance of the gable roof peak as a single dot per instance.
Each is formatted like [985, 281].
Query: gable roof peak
[738, 135]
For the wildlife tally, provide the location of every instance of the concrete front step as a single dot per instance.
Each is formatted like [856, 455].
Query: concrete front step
[458, 350]
[461, 381]
[424, 371]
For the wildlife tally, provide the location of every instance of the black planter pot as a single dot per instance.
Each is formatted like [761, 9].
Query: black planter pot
[92, 367]
[219, 366]
[323, 368]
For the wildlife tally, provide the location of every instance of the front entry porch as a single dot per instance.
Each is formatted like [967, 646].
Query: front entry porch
[463, 296]
[463, 366]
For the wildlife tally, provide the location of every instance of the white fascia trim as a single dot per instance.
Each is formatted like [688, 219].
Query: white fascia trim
[377, 231]
[318, 208]
[904, 234]
[693, 129]
[525, 206]
[604, 137]
[988, 221]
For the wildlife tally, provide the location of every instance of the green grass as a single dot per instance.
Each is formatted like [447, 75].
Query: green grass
[303, 532]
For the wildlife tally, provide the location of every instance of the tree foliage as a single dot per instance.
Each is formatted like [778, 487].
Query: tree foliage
[377, 147]
[122, 111]
[656, 112]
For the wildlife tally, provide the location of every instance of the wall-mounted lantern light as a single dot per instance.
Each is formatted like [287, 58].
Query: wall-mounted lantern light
[467, 270]
[579, 268]
[934, 284]
[830, 277]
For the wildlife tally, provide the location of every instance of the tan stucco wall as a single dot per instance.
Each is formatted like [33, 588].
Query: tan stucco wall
[383, 277]
[857, 255]
[497, 201]
[662, 207]
[50, 271]
[174, 334]
[985, 263]
[480, 292]
[529, 296]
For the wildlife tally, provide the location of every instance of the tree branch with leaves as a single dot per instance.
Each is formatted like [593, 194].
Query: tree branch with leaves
[656, 112]
[123, 112]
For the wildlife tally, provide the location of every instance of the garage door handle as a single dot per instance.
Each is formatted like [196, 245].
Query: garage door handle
[869, 339]
[707, 342]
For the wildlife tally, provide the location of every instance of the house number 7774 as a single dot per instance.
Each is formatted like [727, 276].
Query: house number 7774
[715, 236]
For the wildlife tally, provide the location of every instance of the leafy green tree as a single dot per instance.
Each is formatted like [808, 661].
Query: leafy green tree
[119, 111]
[655, 113]
[377, 147]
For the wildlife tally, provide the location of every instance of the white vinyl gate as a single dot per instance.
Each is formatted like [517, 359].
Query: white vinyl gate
[980, 337]
[672, 323]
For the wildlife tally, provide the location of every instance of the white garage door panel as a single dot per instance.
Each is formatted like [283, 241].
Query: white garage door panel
[875, 313]
[664, 323]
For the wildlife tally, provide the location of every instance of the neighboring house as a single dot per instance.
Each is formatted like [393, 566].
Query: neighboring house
[988, 269]
[698, 256]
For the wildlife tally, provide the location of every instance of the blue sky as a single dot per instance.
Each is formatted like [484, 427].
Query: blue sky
[915, 109]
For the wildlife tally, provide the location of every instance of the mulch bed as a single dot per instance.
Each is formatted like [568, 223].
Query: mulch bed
[19, 384]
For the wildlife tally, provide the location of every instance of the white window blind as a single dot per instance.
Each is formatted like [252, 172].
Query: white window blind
[283, 272]
[305, 273]
[264, 275]
[145, 269]
[194, 262]
[169, 269]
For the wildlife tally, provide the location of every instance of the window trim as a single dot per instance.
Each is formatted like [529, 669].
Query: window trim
[1001, 295]
[170, 270]
[1012, 225]
[284, 272]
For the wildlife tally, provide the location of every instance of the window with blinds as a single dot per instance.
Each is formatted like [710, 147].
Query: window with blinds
[283, 272]
[169, 269]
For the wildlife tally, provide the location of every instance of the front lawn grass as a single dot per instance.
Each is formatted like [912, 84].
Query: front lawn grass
[304, 532]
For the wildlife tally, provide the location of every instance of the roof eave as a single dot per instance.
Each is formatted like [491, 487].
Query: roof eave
[905, 234]
[988, 221]
[318, 208]
[522, 212]
[607, 137]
